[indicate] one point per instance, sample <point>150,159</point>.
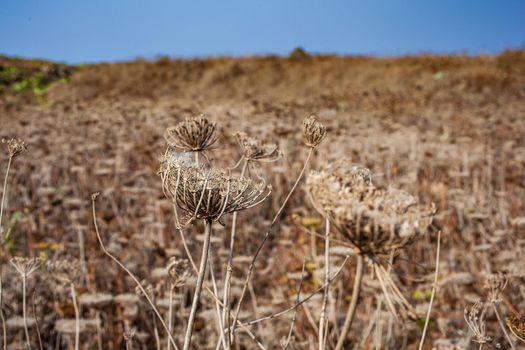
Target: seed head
<point>495,284</point>
<point>314,132</point>
<point>25,266</point>
<point>372,219</point>
<point>66,270</point>
<point>257,151</point>
<point>516,324</point>
<point>475,318</point>
<point>192,135</point>
<point>207,193</point>
<point>15,147</point>
<point>179,271</point>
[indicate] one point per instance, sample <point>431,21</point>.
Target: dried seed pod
<point>179,271</point>
<point>314,132</point>
<point>475,318</point>
<point>65,270</point>
<point>15,147</point>
<point>374,220</point>
<point>495,284</point>
<point>25,266</point>
<point>192,135</point>
<point>207,193</point>
<point>516,324</point>
<point>257,151</point>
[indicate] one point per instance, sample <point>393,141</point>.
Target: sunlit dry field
<point>449,131</point>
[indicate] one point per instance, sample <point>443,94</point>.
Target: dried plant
<point>68,271</point>
<point>208,193</point>
<point>516,324</point>
<point>254,150</point>
<point>15,147</point>
<point>475,318</point>
<point>495,284</point>
<point>25,268</point>
<point>192,135</point>
<point>375,221</point>
<point>314,132</point>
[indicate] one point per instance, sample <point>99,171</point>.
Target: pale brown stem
<point>353,303</point>
<point>326,289</point>
<point>434,287</point>
<point>3,198</point>
<point>301,302</point>
<point>299,287</point>
<point>227,279</point>
<point>77,316</point>
<point>4,330</point>
<point>24,311</point>
<point>198,287</point>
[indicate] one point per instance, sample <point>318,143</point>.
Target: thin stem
<point>24,311</point>
<point>217,301</point>
<point>170,315</point>
<point>3,197</point>
<point>130,274</point>
<point>266,236</point>
<point>4,330</point>
<point>495,307</point>
<point>77,316</point>
<point>299,303</point>
<point>326,289</point>
<point>198,287</point>
<point>434,287</point>
<point>299,287</point>
<point>227,279</point>
<point>353,303</point>
<point>36,323</point>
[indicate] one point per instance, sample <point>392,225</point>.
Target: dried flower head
<point>475,318</point>
<point>129,334</point>
<point>65,270</point>
<point>314,132</point>
<point>495,284</point>
<point>257,151</point>
<point>374,220</point>
<point>179,271</point>
<point>25,266</point>
<point>516,324</point>
<point>192,135</point>
<point>15,147</point>
<point>207,193</point>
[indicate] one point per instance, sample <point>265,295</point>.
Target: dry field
<point>448,130</point>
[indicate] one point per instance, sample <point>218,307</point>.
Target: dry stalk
<point>4,330</point>
<point>36,322</point>
<point>130,274</point>
<point>198,287</point>
<point>350,313</point>
<point>326,290</point>
<point>297,299</point>
<point>77,315</point>
<point>217,303</point>
<point>227,279</point>
<point>299,303</point>
<point>434,287</point>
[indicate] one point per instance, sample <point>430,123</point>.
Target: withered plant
<point>375,221</point>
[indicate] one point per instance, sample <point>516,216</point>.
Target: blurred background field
<point>448,129</point>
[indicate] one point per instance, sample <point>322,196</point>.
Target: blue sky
<point>107,30</point>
